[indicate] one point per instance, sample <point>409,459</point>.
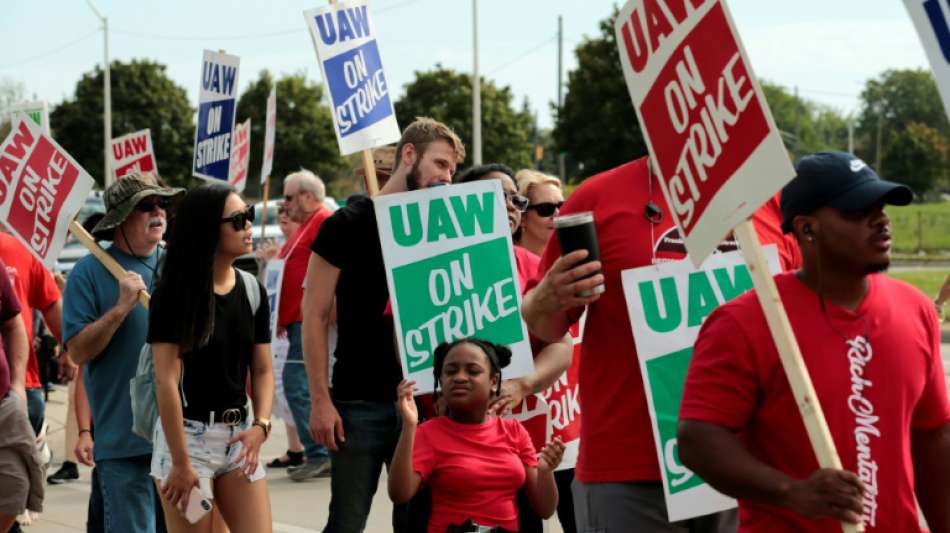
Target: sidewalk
<point>297,507</point>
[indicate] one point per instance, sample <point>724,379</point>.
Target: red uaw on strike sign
<point>41,189</point>
<point>133,152</point>
<point>715,147</point>
<point>240,155</point>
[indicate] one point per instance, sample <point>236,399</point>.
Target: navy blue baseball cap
<point>839,180</point>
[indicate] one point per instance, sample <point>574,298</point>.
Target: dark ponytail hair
<point>499,356</point>
<point>186,281</point>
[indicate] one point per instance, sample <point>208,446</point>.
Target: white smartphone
<point>199,503</point>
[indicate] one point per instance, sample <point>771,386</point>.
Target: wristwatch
<point>264,424</point>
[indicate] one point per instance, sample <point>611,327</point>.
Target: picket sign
<point>930,19</point>
<point>716,152</point>
<point>217,107</point>
<point>42,188</point>
<point>107,260</point>
<point>379,131</point>
<point>264,214</point>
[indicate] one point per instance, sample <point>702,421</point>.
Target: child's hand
<point>406,404</point>
<point>550,456</point>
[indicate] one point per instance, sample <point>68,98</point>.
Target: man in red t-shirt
<point>303,197</point>
<point>617,479</point>
<point>872,347</point>
<point>35,289</point>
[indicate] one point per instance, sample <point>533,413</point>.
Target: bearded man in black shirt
<point>359,423</point>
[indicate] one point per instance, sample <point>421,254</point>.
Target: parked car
<point>74,250</point>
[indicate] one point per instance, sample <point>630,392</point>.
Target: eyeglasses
<point>239,220</point>
<point>289,197</point>
<point>546,209</point>
<point>520,202</point>
<point>147,206</point>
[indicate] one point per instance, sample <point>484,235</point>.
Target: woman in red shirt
<point>473,462</point>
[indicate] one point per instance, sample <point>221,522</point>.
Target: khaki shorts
<point>21,470</point>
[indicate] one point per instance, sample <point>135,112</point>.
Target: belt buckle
<point>231,417</point>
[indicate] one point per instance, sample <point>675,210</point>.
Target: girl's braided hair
<point>499,357</point>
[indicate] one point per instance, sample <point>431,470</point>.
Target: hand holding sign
<point>716,151</point>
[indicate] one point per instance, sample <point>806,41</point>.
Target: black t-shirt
<point>367,367</point>
<point>215,375</point>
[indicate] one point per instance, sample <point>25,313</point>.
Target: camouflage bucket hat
<point>121,198</point>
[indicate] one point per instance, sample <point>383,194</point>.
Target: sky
<point>827,49</point>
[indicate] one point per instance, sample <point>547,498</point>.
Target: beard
<point>414,178</point>
<point>877,268</point>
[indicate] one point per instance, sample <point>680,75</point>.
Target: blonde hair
<point>425,130</point>
<point>527,179</point>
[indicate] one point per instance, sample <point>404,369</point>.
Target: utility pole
<point>476,93</point>
<point>850,134</point>
<point>106,96</point>
<point>561,170</point>
<point>880,130</point>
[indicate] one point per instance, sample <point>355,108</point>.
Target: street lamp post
<point>476,93</point>
<point>106,96</point>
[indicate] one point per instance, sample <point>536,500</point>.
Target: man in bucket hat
<point>872,348</point>
<point>104,328</point>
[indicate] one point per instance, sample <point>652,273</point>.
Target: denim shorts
<point>210,454</point>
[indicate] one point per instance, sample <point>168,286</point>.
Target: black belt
<point>232,416</point>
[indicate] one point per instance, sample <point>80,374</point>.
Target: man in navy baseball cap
<point>835,207</point>
<point>838,180</point>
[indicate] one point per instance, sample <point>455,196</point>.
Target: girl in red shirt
<point>474,462</point>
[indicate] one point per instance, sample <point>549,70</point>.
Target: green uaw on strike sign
<point>667,304</point>
<point>451,272</point>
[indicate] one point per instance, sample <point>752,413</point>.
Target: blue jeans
<point>95,522</point>
<point>371,430</point>
<point>297,392</point>
<point>129,499</point>
<point>36,408</point>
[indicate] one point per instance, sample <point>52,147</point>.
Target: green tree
<point>304,136</point>
<point>143,96</point>
<point>446,95</point>
<point>890,102</point>
<point>806,127</point>
<point>917,156</point>
<point>597,128</point>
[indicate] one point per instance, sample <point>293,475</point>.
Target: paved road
<point>298,507</point>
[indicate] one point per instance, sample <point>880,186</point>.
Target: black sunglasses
<point>520,202</point>
<point>147,206</point>
<point>546,209</point>
<point>239,220</point>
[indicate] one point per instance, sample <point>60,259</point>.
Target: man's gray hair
<point>308,182</point>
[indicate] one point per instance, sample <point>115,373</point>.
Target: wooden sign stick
<point>791,356</point>
<point>369,173</point>
<point>264,214</point>
<point>107,260</point>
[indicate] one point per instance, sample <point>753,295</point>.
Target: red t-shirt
<point>872,393</point>
<point>35,289</point>
<point>474,470</point>
<point>616,436</point>
<point>9,307</point>
<point>296,253</point>
<point>527,263</point>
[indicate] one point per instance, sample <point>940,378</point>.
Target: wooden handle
<point>791,356</point>
<point>369,174</point>
<point>107,260</point>
<point>264,214</point>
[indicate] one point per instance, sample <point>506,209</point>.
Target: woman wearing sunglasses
<point>550,359</point>
<point>206,338</point>
<point>545,198</point>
